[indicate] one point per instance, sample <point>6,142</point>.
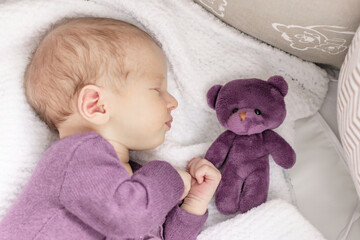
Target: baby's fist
<point>206,178</point>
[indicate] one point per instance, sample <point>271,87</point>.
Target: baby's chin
<point>148,145</point>
<point>159,141</point>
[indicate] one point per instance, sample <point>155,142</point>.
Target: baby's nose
<point>172,104</point>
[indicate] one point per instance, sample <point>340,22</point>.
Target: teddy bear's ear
<point>212,94</point>
<point>280,83</point>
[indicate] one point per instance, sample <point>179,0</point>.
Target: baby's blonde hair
<point>73,53</point>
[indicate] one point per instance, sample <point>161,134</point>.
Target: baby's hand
<point>205,180</point>
<point>185,176</point>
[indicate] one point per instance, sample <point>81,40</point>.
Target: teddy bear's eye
<point>257,112</point>
<point>235,110</point>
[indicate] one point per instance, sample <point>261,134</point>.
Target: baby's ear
<point>279,83</point>
<point>212,95</point>
<point>91,106</point>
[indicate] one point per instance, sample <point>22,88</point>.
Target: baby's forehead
<point>148,59</point>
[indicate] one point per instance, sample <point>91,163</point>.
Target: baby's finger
<point>192,162</point>
<point>189,164</point>
<point>202,172</point>
<point>193,180</point>
<point>193,159</point>
<point>196,163</point>
<point>206,172</point>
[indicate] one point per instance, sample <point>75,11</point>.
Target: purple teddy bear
<point>249,109</point>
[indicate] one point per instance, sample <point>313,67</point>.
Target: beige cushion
<point>348,108</point>
<point>318,31</point>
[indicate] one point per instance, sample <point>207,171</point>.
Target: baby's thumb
<point>193,180</point>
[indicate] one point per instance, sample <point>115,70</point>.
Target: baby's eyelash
<point>156,89</point>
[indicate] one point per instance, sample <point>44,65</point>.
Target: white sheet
<point>201,51</point>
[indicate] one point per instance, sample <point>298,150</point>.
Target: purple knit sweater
<point>80,190</point>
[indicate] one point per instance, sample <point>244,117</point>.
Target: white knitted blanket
<point>201,51</point>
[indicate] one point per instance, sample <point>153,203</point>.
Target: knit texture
<point>80,190</point>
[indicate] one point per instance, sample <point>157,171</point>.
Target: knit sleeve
<point>181,225</point>
<point>99,191</point>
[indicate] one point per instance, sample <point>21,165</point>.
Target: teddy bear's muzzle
<point>242,116</point>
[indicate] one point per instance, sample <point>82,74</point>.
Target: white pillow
<point>348,108</point>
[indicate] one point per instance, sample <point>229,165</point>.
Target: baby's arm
<point>185,222</point>
<point>180,224</point>
<point>99,191</point>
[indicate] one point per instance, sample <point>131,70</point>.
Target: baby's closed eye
<point>156,89</point>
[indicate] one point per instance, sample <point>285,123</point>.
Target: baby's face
<point>142,110</point>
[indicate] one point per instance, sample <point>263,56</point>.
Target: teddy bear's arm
<point>281,151</point>
<point>219,149</point>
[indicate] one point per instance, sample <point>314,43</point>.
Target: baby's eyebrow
<point>160,77</point>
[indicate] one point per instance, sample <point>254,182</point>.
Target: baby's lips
<point>171,119</point>
<point>169,122</point>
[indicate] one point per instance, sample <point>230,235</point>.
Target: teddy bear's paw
<point>246,204</point>
<point>227,204</point>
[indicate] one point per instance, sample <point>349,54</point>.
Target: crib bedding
<point>322,185</point>
<point>328,109</point>
<point>324,37</point>
<point>323,188</point>
<point>199,55</point>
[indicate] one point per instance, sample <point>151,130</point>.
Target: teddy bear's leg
<point>255,189</point>
<point>227,196</point>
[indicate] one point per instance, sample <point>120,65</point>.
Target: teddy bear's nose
<point>242,115</point>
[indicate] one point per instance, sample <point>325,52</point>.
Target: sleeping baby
<point>101,84</point>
